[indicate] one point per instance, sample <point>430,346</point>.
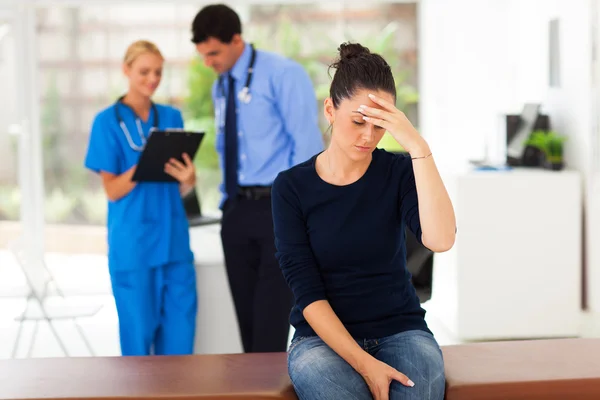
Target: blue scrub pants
<point>157,309</point>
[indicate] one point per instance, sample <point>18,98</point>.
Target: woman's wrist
<point>419,150</point>
<point>361,362</point>
<point>185,189</point>
<point>190,181</point>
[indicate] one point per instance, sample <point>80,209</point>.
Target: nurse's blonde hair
<point>139,48</point>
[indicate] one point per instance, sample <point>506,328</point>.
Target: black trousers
<point>261,297</point>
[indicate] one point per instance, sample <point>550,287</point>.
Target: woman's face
<point>144,74</point>
<point>353,135</point>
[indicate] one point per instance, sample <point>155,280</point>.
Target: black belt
<point>254,192</point>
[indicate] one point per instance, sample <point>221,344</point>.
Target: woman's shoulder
<point>298,175</point>
<point>106,114</point>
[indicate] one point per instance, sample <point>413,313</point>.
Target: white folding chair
<point>42,295</point>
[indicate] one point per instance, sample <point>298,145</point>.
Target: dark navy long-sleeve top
<point>346,245</point>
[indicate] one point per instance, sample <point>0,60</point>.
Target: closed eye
<point>358,122</point>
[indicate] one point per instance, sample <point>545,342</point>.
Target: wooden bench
<point>566,369</point>
<point>203,377</point>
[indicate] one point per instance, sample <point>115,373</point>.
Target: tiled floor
<point>85,283</point>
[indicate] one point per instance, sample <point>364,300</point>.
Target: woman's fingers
<point>379,122</point>
<point>380,391</point>
<point>171,170</point>
<point>187,160</point>
<point>176,164</point>
<point>403,379</point>
<point>372,111</point>
<point>383,103</point>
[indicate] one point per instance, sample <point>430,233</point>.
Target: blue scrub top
<point>147,227</point>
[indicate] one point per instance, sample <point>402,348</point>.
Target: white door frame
<point>30,165</point>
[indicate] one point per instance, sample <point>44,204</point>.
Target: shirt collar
<point>240,68</point>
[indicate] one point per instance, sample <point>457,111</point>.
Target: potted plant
<point>550,147</point>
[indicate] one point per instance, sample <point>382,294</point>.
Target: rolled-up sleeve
<point>293,250</point>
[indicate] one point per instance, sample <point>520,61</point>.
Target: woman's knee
<point>430,388</point>
<point>418,356</point>
<point>317,372</point>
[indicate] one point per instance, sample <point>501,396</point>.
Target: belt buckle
<point>248,194</point>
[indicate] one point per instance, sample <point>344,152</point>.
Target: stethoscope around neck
<point>244,95</point>
<point>138,124</point>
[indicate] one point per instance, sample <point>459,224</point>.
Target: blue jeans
<point>317,372</point>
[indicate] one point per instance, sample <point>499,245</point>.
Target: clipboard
<point>161,146</point>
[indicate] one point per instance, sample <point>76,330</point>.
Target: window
<point>80,55</point>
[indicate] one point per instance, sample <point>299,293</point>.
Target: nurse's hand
<point>184,172</point>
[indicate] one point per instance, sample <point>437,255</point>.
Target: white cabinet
<point>515,270</point>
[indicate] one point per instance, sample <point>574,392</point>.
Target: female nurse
<point>149,256</point>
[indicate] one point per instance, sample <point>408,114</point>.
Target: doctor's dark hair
<point>218,21</point>
<point>356,69</point>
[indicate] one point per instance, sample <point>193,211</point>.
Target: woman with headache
<point>340,221</point>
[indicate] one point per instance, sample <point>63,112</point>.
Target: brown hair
<point>357,68</point>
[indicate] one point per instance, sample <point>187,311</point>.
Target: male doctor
<point>267,121</point>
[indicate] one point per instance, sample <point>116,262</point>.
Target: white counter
<point>216,325</point>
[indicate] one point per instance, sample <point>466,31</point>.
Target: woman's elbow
<point>440,244</point>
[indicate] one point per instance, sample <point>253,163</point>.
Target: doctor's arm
<point>297,103</point>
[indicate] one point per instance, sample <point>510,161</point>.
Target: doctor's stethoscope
<point>244,95</point>
<point>138,124</point>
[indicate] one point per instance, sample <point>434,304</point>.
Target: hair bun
<point>351,50</point>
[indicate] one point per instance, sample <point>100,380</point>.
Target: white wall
<point>572,112</point>
<point>482,59</point>
<point>464,79</point>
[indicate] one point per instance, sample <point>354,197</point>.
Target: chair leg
<point>32,341</point>
<point>17,340</point>
<point>54,331</point>
<point>21,323</point>
<point>84,337</point>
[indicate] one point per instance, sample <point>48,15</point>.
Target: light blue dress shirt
<point>278,128</point>
<point>147,227</point>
